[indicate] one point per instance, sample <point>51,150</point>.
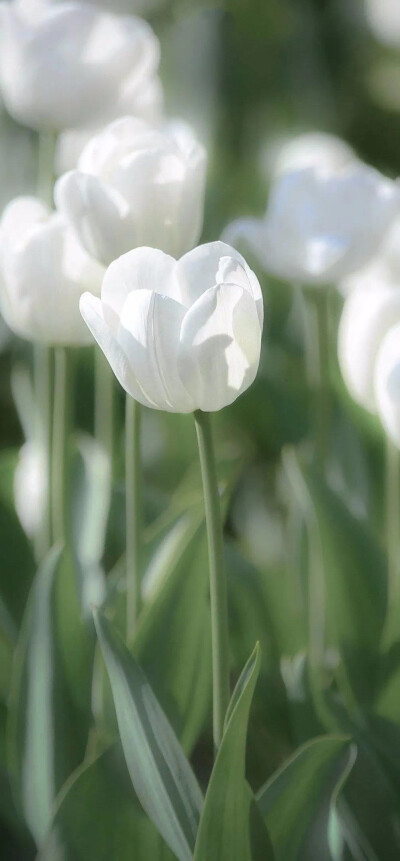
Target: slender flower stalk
<point>134,513</point>
<point>218,585</point>
<point>392,483</point>
<point>104,405</point>
<point>318,368</point>
<point>62,421</point>
<point>42,355</point>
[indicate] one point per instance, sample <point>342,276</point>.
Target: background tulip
<point>387,383</point>
<point>136,186</point>
<point>30,487</point>
<point>320,226</point>
<point>68,65</point>
<point>43,272</point>
<point>312,149</point>
<point>180,335</point>
<point>368,313</point>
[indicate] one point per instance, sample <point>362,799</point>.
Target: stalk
<point>62,422</point>
<point>42,370</point>
<point>134,513</point>
<point>218,584</point>
<point>318,368</point>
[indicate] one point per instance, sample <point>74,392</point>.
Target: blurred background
<point>250,76</point>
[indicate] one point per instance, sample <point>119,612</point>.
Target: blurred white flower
<point>384,19</point>
<point>320,226</point>
<point>43,272</point>
<point>387,383</point>
<point>311,149</point>
<point>383,268</point>
<point>368,313</point>
<point>68,65</point>
<point>136,186</point>
<point>30,487</point>
<point>180,335</point>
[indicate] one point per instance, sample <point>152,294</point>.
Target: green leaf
<point>99,818</point>
<point>229,818</point>
<point>352,588</point>
<point>46,742</point>
<point>160,773</point>
<point>292,800</point>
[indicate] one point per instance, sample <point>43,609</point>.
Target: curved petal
<point>97,213</point>
<point>92,313</point>
<point>220,346</point>
<point>387,383</point>
<point>367,316</point>
<point>140,269</point>
<point>149,334</point>
<point>202,268</point>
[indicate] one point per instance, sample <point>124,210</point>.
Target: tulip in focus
<point>43,272</point>
<point>136,186</point>
<point>320,226</point>
<point>69,65</point>
<point>368,314</point>
<point>180,335</point>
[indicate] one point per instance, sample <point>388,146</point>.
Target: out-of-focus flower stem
<point>134,513</point>
<point>42,367</point>
<point>62,422</point>
<point>43,355</point>
<point>218,584</point>
<point>318,368</point>
<point>392,493</point>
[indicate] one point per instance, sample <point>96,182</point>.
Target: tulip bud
<point>136,186</point>
<point>319,226</point>
<point>43,272</point>
<point>67,65</point>
<point>368,314</point>
<point>387,383</point>
<point>180,335</point>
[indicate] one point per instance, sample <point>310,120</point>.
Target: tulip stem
<point>47,143</point>
<point>218,584</point>
<point>42,369</point>
<point>318,366</point>
<point>134,513</point>
<point>62,421</point>
<point>393,523</point>
<point>104,404</point>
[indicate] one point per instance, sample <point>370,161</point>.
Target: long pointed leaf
<point>160,773</point>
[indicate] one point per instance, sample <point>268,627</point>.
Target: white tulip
<point>180,335</point>
<point>384,19</point>
<point>68,65</point>
<point>387,383</point>
<point>368,313</point>
<point>30,487</point>
<point>43,273</point>
<point>320,226</point>
<point>383,268</point>
<point>136,186</point>
<point>311,149</point>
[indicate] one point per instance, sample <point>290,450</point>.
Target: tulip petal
<point>202,268</point>
<point>220,346</point>
<point>92,313</point>
<point>140,269</point>
<point>97,213</point>
<point>149,334</point>
<point>387,383</point>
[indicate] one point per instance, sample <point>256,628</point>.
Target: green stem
<point>62,421</point>
<point>47,142</point>
<point>392,487</point>
<point>318,366</point>
<point>134,513</point>
<point>218,584</point>
<point>104,404</point>
<point>42,370</point>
